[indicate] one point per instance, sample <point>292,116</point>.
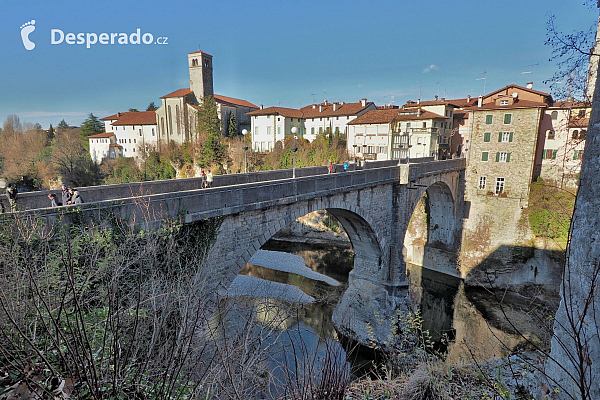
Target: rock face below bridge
<point>367,312</point>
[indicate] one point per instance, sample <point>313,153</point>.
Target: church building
<point>177,116</point>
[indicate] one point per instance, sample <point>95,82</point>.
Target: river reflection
<point>481,324</point>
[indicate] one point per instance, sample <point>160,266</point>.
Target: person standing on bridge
<point>53,201</point>
<point>11,194</point>
<point>65,195</point>
<point>202,179</point>
<point>209,179</point>
<point>77,199</point>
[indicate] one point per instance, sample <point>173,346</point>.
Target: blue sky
<point>274,52</point>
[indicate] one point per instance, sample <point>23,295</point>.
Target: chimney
<point>320,108</point>
<point>529,85</point>
<point>363,102</point>
<point>418,101</point>
<point>468,98</point>
<point>335,106</point>
<point>118,114</point>
<point>325,102</point>
<point>479,101</point>
<point>436,96</point>
<point>262,107</point>
<point>314,106</point>
<point>420,112</point>
<point>443,99</point>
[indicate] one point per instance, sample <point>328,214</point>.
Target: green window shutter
<point>507,157</point>
<point>497,156</point>
<point>507,118</point>
<point>488,119</point>
<point>575,155</point>
<point>543,154</point>
<point>487,136</point>
<point>554,155</point>
<point>499,137</point>
<point>484,156</point>
<point>511,137</point>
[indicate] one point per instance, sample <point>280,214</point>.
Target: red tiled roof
<point>571,104</point>
<point>114,116</point>
<point>512,85</point>
<point>376,117</point>
<point>200,51</point>
<point>236,102</point>
<point>342,109</point>
<point>115,145</point>
<point>579,123</point>
<point>102,135</point>
<point>425,115</point>
<point>454,102</point>
<point>178,93</point>
<point>517,104</point>
<point>137,118</point>
<point>285,112</point>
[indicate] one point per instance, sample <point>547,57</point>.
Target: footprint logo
<point>26,29</point>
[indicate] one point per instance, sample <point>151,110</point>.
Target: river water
<point>479,324</point>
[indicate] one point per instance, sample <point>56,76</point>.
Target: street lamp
<point>245,148</point>
<point>294,150</point>
<point>409,134</point>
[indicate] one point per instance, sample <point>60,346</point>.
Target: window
<point>484,155</point>
<point>133,140</point>
<point>503,102</point>
<point>575,154</point>
<point>424,124</point>
<point>152,131</point>
<point>407,126</point>
<point>550,134</point>
<point>505,137</point>
<point>499,185</point>
<point>312,130</point>
<point>320,130</point>
<point>482,182</point>
<point>554,115</point>
<point>487,136</point>
<point>581,114</point>
<point>507,119</point>
<point>278,130</point>
<point>583,134</point>
<point>489,119</point>
<point>549,154</point>
<point>502,157</point>
<point>575,134</point>
<point>434,124</point>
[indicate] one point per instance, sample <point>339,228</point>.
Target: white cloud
<point>430,68</point>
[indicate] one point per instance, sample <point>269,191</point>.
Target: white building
<point>395,134</point>
<point>273,124</point>
<point>126,133</point>
<point>561,142</point>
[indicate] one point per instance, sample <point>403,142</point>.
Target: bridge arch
<point>250,230</point>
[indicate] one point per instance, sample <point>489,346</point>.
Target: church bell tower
<point>201,74</point>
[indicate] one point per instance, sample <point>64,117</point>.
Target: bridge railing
<point>435,167</point>
<point>222,200</point>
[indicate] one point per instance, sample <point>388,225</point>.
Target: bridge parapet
<point>412,172</point>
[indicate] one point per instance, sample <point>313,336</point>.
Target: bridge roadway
<point>235,192</point>
<point>374,206</point>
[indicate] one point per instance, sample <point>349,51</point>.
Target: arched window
<point>554,115</point>
<point>575,134</point>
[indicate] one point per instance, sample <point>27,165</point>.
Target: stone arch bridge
<point>374,205</point>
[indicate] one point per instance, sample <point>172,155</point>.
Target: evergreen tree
<point>232,130</point>
<point>91,126</point>
<point>62,126</point>
<point>133,110</point>
<point>151,107</point>
<point>212,150</point>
